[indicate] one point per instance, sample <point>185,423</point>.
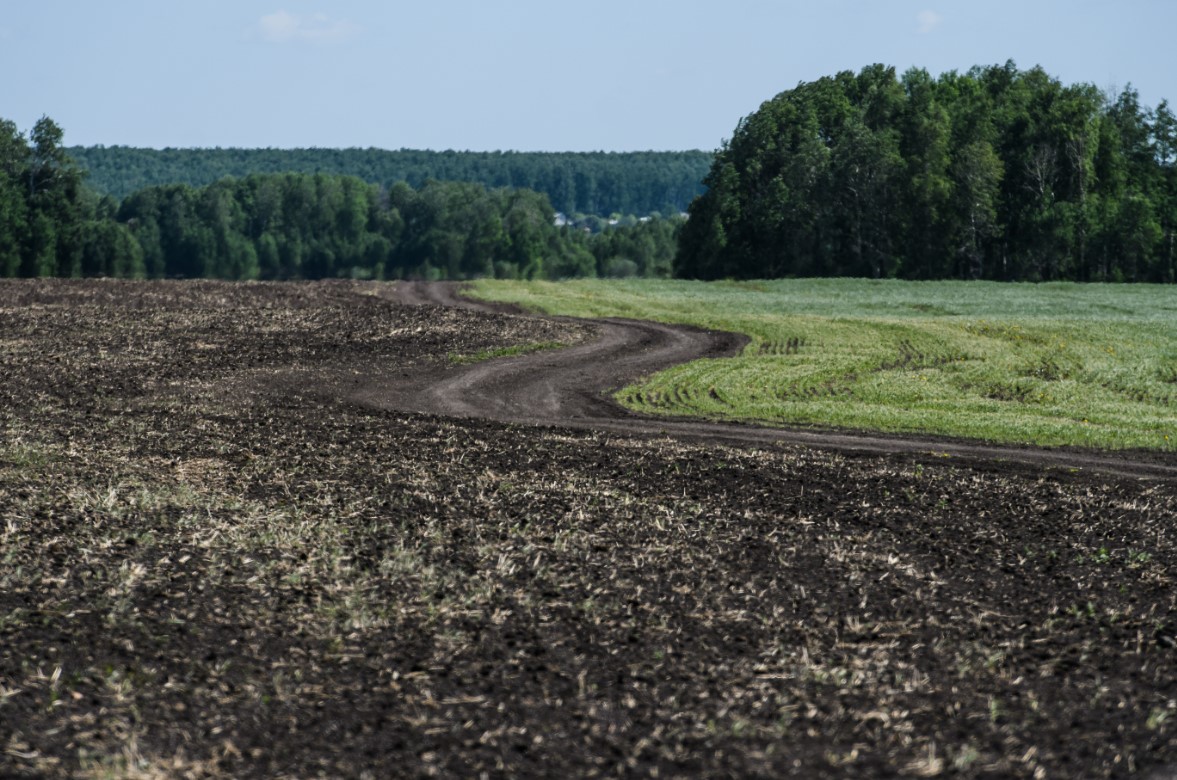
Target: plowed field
<point>226,551</point>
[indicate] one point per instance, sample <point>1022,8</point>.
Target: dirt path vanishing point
<point>569,387</point>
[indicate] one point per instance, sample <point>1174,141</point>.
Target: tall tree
<point>1164,131</point>
<point>14,159</point>
<point>977,172</point>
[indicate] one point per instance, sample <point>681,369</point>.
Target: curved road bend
<point>568,387</point>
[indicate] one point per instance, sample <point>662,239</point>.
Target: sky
<point>485,75</point>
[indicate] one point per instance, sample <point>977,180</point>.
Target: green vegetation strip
<point>1044,364</point>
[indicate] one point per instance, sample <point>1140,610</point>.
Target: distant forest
<point>297,226</point>
<point>315,226</point>
<point>995,173</point>
<point>594,183</point>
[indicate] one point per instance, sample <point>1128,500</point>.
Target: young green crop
<point>1048,364</point>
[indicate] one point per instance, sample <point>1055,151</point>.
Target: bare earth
<point>272,530</point>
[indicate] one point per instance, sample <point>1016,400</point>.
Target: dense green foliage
<point>299,226</point>
<point>50,224</point>
<point>994,174</point>
<point>1049,364</point>
<point>302,226</point>
<point>599,183</point>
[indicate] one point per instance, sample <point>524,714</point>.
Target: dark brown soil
<point>220,557</point>
<point>552,387</point>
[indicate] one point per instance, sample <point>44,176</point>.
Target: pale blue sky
<point>524,75</point>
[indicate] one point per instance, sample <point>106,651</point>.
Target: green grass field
<point>1092,365</point>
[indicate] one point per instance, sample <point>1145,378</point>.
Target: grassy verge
<point>1047,364</point>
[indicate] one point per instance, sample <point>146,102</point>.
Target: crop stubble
<point>214,566</point>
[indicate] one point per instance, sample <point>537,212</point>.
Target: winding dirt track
<point>569,387</point>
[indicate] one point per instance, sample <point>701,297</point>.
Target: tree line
<point>315,226</point>
<point>297,226</point>
<point>600,183</point>
<point>996,173</point>
<point>51,224</point>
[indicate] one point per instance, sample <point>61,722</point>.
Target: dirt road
<point>561,385</point>
<point>570,387</point>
